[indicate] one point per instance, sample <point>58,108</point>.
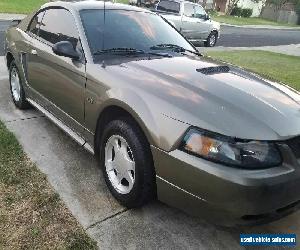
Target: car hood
<point>196,91</point>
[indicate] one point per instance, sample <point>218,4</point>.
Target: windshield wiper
<point>126,51</point>
<point>129,51</point>
<point>174,47</point>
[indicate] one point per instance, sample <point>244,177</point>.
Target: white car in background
<point>191,20</point>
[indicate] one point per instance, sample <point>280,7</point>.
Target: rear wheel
<point>126,161</point>
<point>16,87</point>
<point>212,39</point>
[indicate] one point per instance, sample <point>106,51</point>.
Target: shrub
<point>246,12</point>
<point>237,11</point>
<point>212,12</point>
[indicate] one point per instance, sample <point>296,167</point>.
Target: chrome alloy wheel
<point>119,164</point>
<point>15,84</point>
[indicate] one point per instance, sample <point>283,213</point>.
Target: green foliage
<point>237,11</point>
<point>247,12</point>
<point>212,12</point>
<point>278,67</point>
<point>249,21</point>
<point>298,8</point>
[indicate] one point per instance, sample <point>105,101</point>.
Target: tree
<point>233,3</point>
<point>278,4</point>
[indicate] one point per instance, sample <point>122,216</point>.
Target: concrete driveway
<point>74,174</point>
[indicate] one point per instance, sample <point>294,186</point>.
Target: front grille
<point>294,144</point>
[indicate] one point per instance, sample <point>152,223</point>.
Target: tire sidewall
<point>22,101</point>
<point>209,37</point>
<point>123,129</point>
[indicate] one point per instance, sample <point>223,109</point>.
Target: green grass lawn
<point>27,6</point>
<point>249,21</point>
<point>274,66</point>
<point>123,1</point>
<point>32,216</point>
<point>20,6</point>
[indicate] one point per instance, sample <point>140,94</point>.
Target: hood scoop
<point>214,70</point>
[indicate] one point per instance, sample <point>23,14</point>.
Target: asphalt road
<point>242,37</point>
<point>230,37</point>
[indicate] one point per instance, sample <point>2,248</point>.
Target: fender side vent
<point>214,70</point>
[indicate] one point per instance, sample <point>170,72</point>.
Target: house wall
<point>248,4</point>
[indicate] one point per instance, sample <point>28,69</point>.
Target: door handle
<point>34,52</point>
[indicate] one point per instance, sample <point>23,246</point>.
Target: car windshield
<point>129,31</point>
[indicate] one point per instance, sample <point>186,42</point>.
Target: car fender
<point>155,125</point>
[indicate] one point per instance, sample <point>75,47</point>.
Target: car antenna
<point>103,44</point>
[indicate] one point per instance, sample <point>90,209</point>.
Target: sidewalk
<point>292,49</point>
<point>10,17</point>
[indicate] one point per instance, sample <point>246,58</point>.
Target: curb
<point>291,50</point>
<point>270,27</point>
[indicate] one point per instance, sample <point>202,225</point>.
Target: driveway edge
<point>270,27</point>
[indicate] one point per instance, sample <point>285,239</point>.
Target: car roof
<point>91,4</point>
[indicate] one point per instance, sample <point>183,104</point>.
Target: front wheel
<point>126,161</point>
<point>211,40</point>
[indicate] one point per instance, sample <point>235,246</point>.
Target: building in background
<point>222,5</point>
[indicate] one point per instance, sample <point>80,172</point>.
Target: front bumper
<point>227,195</point>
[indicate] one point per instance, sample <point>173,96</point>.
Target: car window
<point>59,25</point>
<point>35,23</point>
<point>192,10</point>
<point>169,6</point>
<point>189,10</point>
<point>128,29</point>
<point>199,12</point>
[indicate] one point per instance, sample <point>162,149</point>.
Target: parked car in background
<point>191,20</point>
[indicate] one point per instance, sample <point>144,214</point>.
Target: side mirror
<point>66,49</point>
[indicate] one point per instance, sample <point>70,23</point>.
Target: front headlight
<point>230,151</point>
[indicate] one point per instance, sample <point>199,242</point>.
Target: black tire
<point>211,40</point>
<point>144,188</point>
<point>21,103</point>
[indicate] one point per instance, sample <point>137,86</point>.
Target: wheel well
<point>108,114</point>
<point>9,59</point>
<point>215,31</point>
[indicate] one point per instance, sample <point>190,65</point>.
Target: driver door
<point>194,27</point>
<point>57,83</point>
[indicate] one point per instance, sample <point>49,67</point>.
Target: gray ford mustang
<point>163,120</point>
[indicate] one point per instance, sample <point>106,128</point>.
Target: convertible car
<point>164,121</point>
